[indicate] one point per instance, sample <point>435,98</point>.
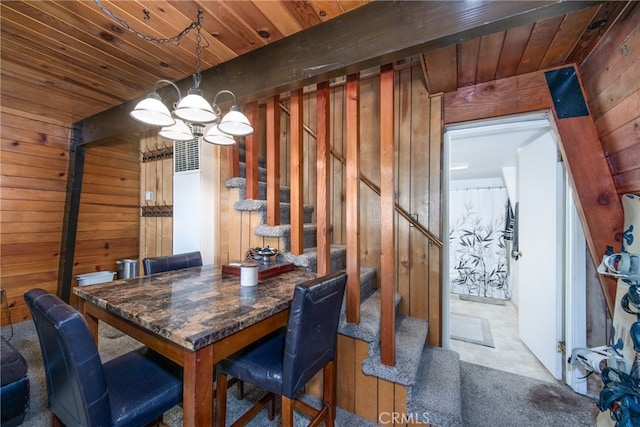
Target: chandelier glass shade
<point>179,131</point>
<point>152,111</point>
<point>215,136</point>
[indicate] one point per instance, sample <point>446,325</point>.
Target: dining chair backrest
<point>76,384</point>
<point>171,262</point>
<point>312,330</point>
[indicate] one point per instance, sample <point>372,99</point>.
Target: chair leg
<point>240,389</point>
<point>287,412</point>
<point>272,409</point>
<point>329,391</point>
<point>221,399</point>
<point>55,421</point>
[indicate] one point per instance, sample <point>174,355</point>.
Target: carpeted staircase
<point>431,375</point>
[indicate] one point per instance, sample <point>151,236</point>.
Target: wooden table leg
<point>197,399</point>
<point>92,321</point>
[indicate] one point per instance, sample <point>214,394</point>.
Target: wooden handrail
<point>406,215</point>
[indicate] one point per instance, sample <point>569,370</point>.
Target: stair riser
<point>338,262</point>
<point>262,192</point>
<point>285,217</point>
<point>310,238</point>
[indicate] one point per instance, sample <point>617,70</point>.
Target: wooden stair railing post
<point>252,152</point>
<point>323,158</point>
<point>352,112</point>
<point>233,160</point>
<point>297,174</point>
<point>387,215</point>
<point>273,161</point>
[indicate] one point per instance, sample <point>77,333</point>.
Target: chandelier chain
<point>198,45</point>
<point>174,40</point>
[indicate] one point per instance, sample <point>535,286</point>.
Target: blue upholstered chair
<point>131,390</point>
<point>171,262</point>
<point>14,390</point>
<point>283,362</point>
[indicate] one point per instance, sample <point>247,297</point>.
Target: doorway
<point>483,158</point>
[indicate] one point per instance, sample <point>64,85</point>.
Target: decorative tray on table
<point>265,271</point>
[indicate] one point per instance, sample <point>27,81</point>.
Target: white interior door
<point>540,275</point>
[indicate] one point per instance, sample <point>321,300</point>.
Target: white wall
<point>194,216</point>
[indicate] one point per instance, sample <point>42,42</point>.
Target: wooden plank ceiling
<point>68,60</point>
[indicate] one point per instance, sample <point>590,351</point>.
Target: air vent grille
<point>186,156</point>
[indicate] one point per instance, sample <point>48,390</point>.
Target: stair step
<point>284,232</point>
<point>309,259</point>
<point>241,183</point>
<point>260,206</point>
<point>411,334</point>
<point>435,398</point>
<point>368,329</point>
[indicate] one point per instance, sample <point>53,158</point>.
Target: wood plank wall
<point>156,177</point>
<point>34,164</point>
<point>108,219</point>
<point>610,78</point>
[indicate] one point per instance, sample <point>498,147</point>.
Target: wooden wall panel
<point>366,387</point>
<point>403,191</point>
<point>435,224</point>
<point>370,168</point>
<point>418,171</point>
<point>109,214</point>
<point>309,152</point>
<point>369,397</point>
<point>156,233</point>
<point>418,112</point>
<point>34,161</point>
<point>346,365</point>
<point>610,77</point>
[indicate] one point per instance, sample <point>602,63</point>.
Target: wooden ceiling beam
<point>372,35</point>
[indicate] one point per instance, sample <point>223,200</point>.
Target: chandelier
<point>192,116</point>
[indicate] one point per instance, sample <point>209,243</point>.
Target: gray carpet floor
<point>502,399</point>
<point>489,397</point>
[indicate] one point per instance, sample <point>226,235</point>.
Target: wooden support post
<point>273,160</point>
<point>387,215</point>
<point>233,161</point>
<point>296,172</point>
<point>353,196</point>
<point>323,158</point>
<point>71,212</point>
<point>251,152</point>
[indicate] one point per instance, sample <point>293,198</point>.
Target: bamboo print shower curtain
<point>478,256</point>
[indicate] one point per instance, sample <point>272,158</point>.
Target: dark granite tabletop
<point>194,307</point>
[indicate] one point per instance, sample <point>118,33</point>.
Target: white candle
<point>248,274</point>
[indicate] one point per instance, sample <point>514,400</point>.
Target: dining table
<point>195,317</point>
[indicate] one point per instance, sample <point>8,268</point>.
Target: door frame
<point>574,292</point>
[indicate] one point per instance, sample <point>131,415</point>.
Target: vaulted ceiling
<point>69,60</point>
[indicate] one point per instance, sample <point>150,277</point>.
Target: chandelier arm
<point>235,100</point>
<point>155,87</point>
